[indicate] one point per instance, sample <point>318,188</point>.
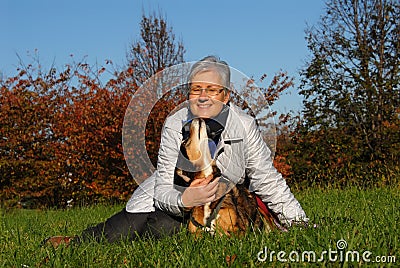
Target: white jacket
<point>241,152</point>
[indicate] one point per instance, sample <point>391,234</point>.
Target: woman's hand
<point>200,192</point>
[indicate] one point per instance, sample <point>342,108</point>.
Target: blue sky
<point>255,37</point>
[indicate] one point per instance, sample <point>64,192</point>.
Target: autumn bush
<point>61,136</point>
<point>334,158</point>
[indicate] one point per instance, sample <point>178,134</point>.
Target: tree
<point>156,50</point>
<point>352,80</point>
<point>351,83</point>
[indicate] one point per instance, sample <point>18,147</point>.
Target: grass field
<point>364,224</point>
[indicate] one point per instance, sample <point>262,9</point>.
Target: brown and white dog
<point>234,212</point>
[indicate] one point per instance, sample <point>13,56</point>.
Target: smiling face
<point>204,84</point>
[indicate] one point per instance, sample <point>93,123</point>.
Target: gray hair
<point>215,64</point>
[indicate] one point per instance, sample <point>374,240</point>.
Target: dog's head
<point>196,146</point>
<point>196,150</point>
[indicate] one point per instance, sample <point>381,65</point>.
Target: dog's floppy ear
<point>181,174</point>
<point>183,149</point>
<point>181,177</point>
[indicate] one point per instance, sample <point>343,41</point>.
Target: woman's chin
<point>206,112</point>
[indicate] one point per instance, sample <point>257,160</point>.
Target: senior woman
<point>157,207</point>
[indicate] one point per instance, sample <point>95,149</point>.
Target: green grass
<point>367,219</point>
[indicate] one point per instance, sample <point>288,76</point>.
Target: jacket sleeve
<point>166,196</point>
<point>266,181</point>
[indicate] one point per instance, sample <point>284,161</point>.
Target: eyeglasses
<point>209,91</point>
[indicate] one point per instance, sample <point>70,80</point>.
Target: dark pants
<point>125,225</point>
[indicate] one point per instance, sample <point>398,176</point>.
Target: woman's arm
<point>166,197</point>
<point>266,181</point>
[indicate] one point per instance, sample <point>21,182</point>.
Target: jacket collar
<point>234,128</point>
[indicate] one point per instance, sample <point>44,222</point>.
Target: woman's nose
<point>203,94</point>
